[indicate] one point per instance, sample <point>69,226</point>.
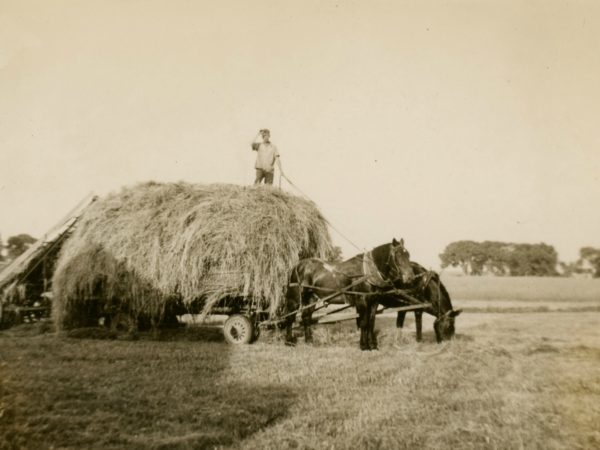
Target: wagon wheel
<point>238,329</point>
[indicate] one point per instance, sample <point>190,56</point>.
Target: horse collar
<point>371,271</point>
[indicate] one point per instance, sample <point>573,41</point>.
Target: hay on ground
<point>147,246</point>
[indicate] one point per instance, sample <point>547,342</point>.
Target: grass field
<point>524,294</point>
<point>511,380</point>
<point>527,289</point>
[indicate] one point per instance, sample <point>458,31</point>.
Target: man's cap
<point>265,130</point>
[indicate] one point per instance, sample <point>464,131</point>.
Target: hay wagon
<point>215,249</point>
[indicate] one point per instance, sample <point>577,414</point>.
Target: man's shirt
<point>265,157</point>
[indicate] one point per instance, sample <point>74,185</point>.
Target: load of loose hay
<point>141,248</point>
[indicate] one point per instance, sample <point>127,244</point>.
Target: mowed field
<point>512,378</point>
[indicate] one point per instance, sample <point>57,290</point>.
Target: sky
<point>432,121</point>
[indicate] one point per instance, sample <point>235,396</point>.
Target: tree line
<point>474,258</point>
<point>512,259</point>
<point>15,246</point>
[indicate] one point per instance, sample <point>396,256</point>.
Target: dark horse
<point>362,280</point>
<point>428,288</point>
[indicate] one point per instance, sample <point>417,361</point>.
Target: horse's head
<point>399,262</point>
<point>444,325</point>
<point>432,290</point>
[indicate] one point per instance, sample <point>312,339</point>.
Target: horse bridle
<point>391,262</point>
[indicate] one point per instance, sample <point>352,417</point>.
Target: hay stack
<point>148,245</point>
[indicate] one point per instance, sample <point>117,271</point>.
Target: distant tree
<point>1,249</point>
<point>455,255</point>
<point>543,259</point>
<point>464,254</point>
<point>500,258</point>
<point>591,257</point>
<point>533,260</point>
<point>497,257</point>
<point>16,245</point>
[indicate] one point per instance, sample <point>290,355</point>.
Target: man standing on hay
<point>266,157</point>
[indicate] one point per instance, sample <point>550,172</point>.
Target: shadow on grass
<point>184,333</point>
<point>89,393</point>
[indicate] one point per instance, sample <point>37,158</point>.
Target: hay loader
<point>26,282</point>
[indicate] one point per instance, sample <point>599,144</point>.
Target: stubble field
<point>527,378</point>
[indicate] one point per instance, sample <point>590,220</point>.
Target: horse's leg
<point>400,316</point>
<point>289,334</point>
<point>400,319</point>
<point>307,322</point>
<point>419,324</point>
<point>292,304</point>
<point>438,334</point>
<point>361,309</point>
<point>371,326</point>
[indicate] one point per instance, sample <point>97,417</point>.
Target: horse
<point>428,288</point>
<point>359,281</point>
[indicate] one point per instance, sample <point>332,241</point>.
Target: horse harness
<point>371,273</point>
<point>427,278</point>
